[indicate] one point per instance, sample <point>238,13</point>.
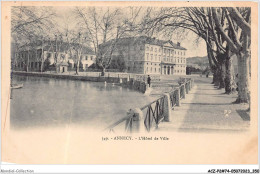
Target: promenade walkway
<point>207,108</point>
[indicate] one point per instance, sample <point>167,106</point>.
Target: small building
<point>62,67</point>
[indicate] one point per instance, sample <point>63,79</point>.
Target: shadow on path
<point>206,109</point>
<point>244,115</point>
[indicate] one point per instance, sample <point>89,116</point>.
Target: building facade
<point>145,55</point>
<point>64,57</point>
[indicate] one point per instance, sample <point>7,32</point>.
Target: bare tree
<point>77,46</point>
<point>105,27</point>
<point>31,25</point>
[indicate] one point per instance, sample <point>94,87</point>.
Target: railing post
<point>167,107</point>
<point>178,97</point>
<point>187,87</point>
<point>138,120</point>
<point>184,91</point>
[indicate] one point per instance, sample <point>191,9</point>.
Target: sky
<point>193,47</point>
<point>187,41</point>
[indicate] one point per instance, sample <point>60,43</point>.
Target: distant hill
<point>197,60</point>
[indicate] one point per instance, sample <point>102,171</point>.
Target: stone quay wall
<point>131,83</point>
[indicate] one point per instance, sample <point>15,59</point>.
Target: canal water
<point>47,102</point>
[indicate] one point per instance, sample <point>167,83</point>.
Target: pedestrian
<point>149,80</point>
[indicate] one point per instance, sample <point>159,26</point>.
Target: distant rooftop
<point>51,45</point>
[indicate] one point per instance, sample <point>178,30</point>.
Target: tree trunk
<point>243,77</point>
<point>28,59</point>
<point>217,77</point>
<point>56,61</point>
<point>77,68</point>
<point>103,71</point>
<point>211,63</point>
<point>222,75</point>
<point>42,60</point>
<point>229,77</point>
<point>42,65</point>
<point>214,78</point>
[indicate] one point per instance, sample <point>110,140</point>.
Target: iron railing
<point>128,124</point>
<point>153,113</point>
<point>174,98</point>
<point>182,92</point>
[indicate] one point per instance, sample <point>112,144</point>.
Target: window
<point>151,57</point>
<point>155,49</point>
<point>151,48</point>
<point>151,69</point>
<point>178,61</point>
<point>147,56</point>
<point>159,49</point>
<point>159,69</point>
<point>155,57</point>
<point>86,57</point>
<point>154,69</point>
<point>147,48</point>
<point>91,57</point>
<point>147,69</point>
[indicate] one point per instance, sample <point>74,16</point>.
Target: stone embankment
<point>135,83</point>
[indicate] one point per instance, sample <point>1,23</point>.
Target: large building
<point>145,55</point>
<point>63,55</point>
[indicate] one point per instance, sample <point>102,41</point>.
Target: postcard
<point>129,82</point>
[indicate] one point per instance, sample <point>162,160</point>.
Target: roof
<point>51,45</point>
<point>145,40</point>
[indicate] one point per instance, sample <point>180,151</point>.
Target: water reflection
<point>57,102</point>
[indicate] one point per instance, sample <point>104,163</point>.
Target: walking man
<point>149,80</point>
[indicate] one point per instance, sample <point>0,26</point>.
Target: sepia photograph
<point>129,83</point>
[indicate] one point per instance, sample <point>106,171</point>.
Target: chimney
<point>178,44</point>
